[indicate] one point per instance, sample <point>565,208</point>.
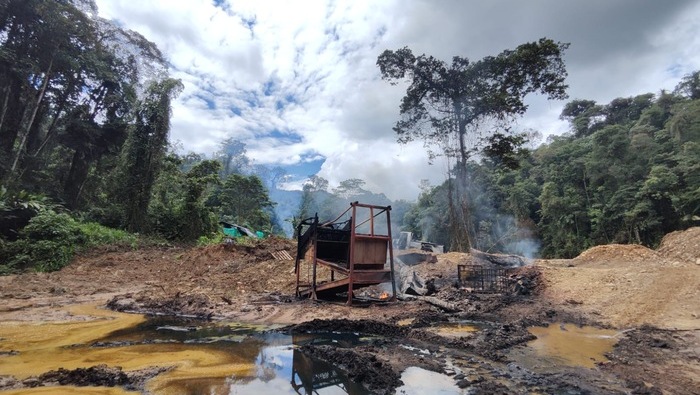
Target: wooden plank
<point>334,266</point>
<point>371,237</point>
<point>370,250</point>
<point>369,266</point>
<point>281,255</point>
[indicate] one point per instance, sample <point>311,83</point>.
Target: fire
<point>384,296</point>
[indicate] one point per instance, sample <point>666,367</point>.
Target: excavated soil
<point>650,296</point>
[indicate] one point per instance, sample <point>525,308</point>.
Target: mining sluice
<point>344,255</point>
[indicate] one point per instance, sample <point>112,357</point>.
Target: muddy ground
<point>650,296</point>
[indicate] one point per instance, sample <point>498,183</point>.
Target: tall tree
<point>233,157</point>
<point>452,104</point>
<point>145,149</point>
<point>244,200</point>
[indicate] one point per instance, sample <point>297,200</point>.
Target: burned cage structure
<point>341,256</point>
<point>480,278</point>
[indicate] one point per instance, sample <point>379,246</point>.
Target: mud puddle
<point>204,357</point>
<point>565,344</point>
<point>420,381</point>
<point>456,329</point>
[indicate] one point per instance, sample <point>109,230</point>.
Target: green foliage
<point>629,172</point>
<point>177,210</point>
<point>446,105</point>
<point>96,234</point>
<point>690,86</point>
<point>86,117</point>
<point>58,227</point>
<point>243,200</point>
<point>505,150</point>
<point>428,218</point>
<point>50,240</point>
<point>211,239</point>
<point>144,152</point>
<point>47,243</point>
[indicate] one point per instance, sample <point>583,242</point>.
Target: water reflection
<point>312,376</point>
<point>286,370</point>
<point>207,358</point>
<point>277,364</point>
<point>280,368</point>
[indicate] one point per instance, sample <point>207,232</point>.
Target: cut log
<point>447,306</point>
<point>503,260</point>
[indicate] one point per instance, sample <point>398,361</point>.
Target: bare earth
<point>650,294</point>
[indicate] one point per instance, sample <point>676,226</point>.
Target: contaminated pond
<point>564,344</point>
<point>556,345</point>
<point>211,358</point>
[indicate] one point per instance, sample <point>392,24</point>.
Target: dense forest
<point>84,125</point>
<point>627,172</point>
<point>85,158</point>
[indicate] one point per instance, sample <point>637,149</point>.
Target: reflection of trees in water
<point>267,365</point>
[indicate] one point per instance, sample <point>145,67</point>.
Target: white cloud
<point>296,80</point>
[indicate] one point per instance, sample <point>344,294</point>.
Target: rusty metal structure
<point>343,256</point>
<point>480,278</point>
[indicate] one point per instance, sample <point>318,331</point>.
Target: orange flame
<point>384,295</point>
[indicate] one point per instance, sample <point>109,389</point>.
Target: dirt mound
<point>627,285</point>
<point>616,254</point>
<point>682,246</point>
<point>170,275</point>
<point>443,270</point>
<point>196,305</point>
<point>368,327</point>
<point>94,376</point>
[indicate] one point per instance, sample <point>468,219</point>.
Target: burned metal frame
<point>358,258</point>
<point>484,279</point>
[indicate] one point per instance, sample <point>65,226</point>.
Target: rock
<point>31,382</point>
<point>8,382</point>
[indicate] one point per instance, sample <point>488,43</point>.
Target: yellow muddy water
<point>455,329</point>
<point>69,390</point>
<point>43,347</point>
<point>572,345</point>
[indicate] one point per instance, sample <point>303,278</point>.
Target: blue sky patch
<point>288,137</point>
<point>305,168</point>
<point>210,103</point>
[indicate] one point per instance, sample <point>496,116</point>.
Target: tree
<point>451,104</point>
<point>689,86</point>
<point>43,41</point>
<point>177,210</point>
<point>244,200</point>
<point>350,188</point>
<point>144,151</point>
<point>68,84</point>
<point>233,156</point>
<point>581,114</point>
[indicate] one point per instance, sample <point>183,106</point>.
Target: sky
<point>297,81</point>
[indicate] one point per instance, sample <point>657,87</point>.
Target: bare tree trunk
<point>77,175</point>
<point>33,116</point>
<point>12,118</point>
<point>52,127</point>
<point>4,105</point>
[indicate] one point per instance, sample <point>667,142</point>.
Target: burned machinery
<point>343,256</point>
